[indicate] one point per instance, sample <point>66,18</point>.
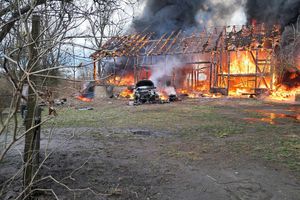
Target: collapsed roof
<point>179,42</point>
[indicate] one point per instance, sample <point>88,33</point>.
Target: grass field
<point>205,148</point>
<point>242,126</point>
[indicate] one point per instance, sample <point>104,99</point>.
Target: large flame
<point>125,80</point>
<point>288,85</point>
<point>284,93</point>
<point>242,73</point>
<point>242,63</point>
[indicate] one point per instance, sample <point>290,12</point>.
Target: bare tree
<point>25,45</point>
<point>108,19</point>
<point>37,37</point>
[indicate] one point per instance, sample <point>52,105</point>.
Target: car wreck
<point>145,92</point>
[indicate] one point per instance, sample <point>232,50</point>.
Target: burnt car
<point>145,92</point>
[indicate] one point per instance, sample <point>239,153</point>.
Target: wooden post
<point>256,70</point>
<point>95,71</point>
<point>219,69</point>
<point>33,116</point>
<point>272,70</point>
<point>211,72</point>
<point>135,68</point>
<point>228,77</point>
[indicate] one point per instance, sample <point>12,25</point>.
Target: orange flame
<point>122,80</point>
<point>242,80</point>
<point>127,94</point>
<point>284,94</point>
<point>242,64</point>
<point>163,95</point>
<point>84,99</point>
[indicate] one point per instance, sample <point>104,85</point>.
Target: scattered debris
<point>87,93</point>
<point>59,102</point>
<point>173,98</point>
<point>131,103</point>
<point>85,108</point>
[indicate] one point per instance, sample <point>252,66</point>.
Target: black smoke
<point>283,12</point>
<point>162,16</point>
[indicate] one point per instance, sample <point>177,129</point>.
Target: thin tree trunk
<point>33,112</point>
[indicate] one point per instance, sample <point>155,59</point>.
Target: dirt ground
<point>235,149</point>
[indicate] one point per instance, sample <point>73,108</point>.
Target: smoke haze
<point>162,70</point>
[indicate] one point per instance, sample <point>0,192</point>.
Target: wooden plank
<point>173,42</point>
<point>165,43</point>
<point>139,46</point>
<point>245,75</point>
<point>156,44</point>
<point>259,71</point>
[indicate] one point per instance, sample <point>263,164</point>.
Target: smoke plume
<point>162,70</point>
<point>162,16</point>
<point>283,12</point>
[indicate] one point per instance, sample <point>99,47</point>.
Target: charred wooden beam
<point>173,42</point>
<point>246,75</point>
<point>165,43</point>
<point>156,44</point>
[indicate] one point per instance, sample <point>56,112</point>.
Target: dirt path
<point>140,164</point>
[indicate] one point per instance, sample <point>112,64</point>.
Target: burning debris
<point>198,61</point>
<point>87,92</point>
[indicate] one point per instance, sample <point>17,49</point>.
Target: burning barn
<point>227,60</point>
